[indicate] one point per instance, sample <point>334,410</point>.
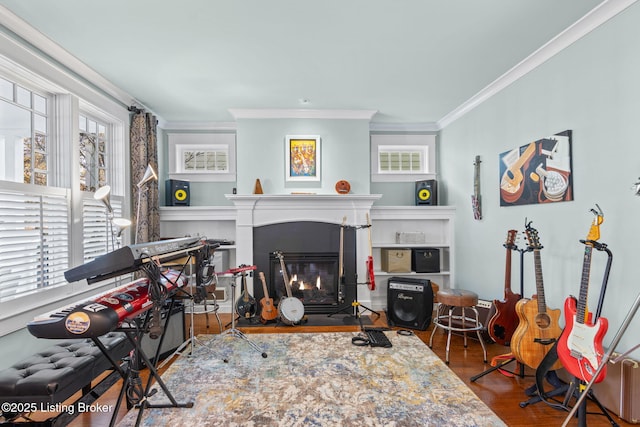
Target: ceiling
<point>412,61</point>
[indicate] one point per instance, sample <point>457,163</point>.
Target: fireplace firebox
<point>311,254</point>
<point>313,277</point>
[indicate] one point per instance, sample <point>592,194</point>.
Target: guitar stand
<point>577,387</point>
<point>236,333</point>
<point>501,365</point>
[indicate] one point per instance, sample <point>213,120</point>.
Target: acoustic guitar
<point>503,323</point>
<point>268,311</point>
<point>580,345</point>
<point>246,306</point>
<point>538,328</point>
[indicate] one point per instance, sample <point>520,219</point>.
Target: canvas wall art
<point>538,172</point>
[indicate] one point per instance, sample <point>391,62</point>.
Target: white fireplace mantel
<point>258,210</point>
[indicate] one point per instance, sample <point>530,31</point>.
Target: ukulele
<point>538,328</point>
<point>290,308</point>
<point>268,311</point>
<point>504,322</point>
<point>580,345</point>
<point>371,280</point>
<point>246,306</point>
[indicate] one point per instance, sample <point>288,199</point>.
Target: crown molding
<point>403,127</point>
<point>589,22</point>
<point>240,113</point>
<point>211,126</point>
<point>34,42</point>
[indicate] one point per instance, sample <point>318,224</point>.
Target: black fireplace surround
<point>310,251</point>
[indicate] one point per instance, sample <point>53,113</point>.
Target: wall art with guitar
<point>538,328</point>
<point>504,322</point>
<point>580,345</point>
<point>539,172</point>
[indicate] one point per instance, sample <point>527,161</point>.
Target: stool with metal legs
<point>448,301</point>
<point>242,271</point>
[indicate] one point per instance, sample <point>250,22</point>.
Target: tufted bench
<point>58,372</point>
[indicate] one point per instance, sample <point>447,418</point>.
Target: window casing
<point>49,225</point>
<point>403,157</point>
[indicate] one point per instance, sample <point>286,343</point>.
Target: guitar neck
<point>265,289</point>
<point>507,272</point>
<point>285,276</point>
<point>542,305</point>
<point>581,308</point>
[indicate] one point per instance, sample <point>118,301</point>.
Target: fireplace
<point>313,277</point>
<point>311,254</point>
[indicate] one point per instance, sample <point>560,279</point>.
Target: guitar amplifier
<point>486,310</point>
<point>620,390</point>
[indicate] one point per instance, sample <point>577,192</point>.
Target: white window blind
<point>98,237</point>
<point>34,240</point>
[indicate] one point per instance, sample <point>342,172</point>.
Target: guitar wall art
<point>539,172</point>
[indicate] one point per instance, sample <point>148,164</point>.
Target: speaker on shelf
<point>409,302</point>
<point>177,192</point>
<point>427,192</point>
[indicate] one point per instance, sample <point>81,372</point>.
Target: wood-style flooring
<point>501,393</point>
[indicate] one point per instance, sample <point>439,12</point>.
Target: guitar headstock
<point>594,230</point>
<point>532,237</point>
<point>511,239</point>
<point>278,255</point>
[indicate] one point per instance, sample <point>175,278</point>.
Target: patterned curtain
<point>144,152</point>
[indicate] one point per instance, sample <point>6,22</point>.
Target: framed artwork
<point>539,172</point>
<point>302,158</point>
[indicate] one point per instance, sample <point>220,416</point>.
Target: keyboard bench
<point>55,374</point>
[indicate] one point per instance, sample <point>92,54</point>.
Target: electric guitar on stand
<point>580,345</point>
<point>538,328</point>
<point>504,322</point>
<point>371,279</point>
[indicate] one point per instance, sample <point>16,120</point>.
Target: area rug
<point>314,379</point>
<point>312,320</point>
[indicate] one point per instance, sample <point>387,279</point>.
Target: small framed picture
<point>302,158</point>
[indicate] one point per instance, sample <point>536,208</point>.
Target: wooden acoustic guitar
<point>538,328</point>
<point>580,345</point>
<point>267,310</point>
<point>503,323</point>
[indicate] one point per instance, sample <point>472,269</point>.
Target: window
<point>23,134</point>
<point>402,157</point>
<point>46,224</point>
<point>202,156</point>
<point>93,153</point>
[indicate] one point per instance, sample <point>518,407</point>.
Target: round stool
<point>448,301</point>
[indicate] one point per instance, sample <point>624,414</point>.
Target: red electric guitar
<point>580,345</point>
<point>505,321</point>
<point>371,279</point>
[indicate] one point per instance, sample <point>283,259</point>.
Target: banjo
<point>290,308</point>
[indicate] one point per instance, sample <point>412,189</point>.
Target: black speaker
<point>174,334</point>
<point>177,192</point>
<point>409,302</point>
<point>427,192</point>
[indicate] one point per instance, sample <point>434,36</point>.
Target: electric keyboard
<point>104,312</point>
<point>130,258</point>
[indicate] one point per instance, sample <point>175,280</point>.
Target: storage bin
<point>395,260</point>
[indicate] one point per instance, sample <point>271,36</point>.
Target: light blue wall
<point>592,88</point>
<point>261,154</point>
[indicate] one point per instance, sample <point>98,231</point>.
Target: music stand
<point>234,332</point>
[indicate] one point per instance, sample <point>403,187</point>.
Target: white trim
<point>214,126</point>
<point>404,127</point>
<point>240,113</point>
<point>589,22</point>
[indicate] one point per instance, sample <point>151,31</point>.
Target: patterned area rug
<point>314,379</point>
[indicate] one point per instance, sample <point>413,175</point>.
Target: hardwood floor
<point>501,393</point>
